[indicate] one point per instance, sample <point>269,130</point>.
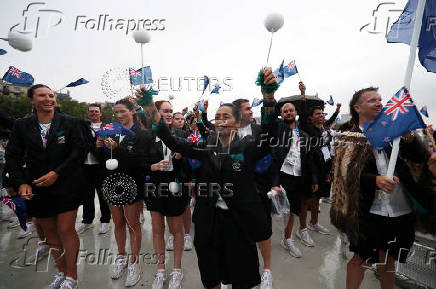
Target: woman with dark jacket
<point>53,148</point>
<point>130,152</point>
<point>229,217</point>
<point>163,204</point>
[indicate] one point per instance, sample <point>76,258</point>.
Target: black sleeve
<point>303,116</point>
<point>206,122</point>
<point>177,144</point>
<point>14,154</point>
<point>202,129</point>
<point>78,148</point>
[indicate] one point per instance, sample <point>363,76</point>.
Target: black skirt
<point>158,198</point>
<point>225,256</point>
<point>393,235</point>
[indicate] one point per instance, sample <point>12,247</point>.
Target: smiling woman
<point>52,148</point>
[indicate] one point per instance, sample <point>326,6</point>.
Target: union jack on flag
<point>15,72</point>
<point>398,103</point>
<point>18,206</point>
<point>195,136</point>
<point>109,126</point>
<point>397,117</point>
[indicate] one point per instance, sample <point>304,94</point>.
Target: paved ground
<point>321,267</point>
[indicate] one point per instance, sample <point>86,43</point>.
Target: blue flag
<point>18,206</point>
<point>136,76</point>
<point>78,82</point>
<point>424,111</point>
<point>2,52</point>
<point>206,83</point>
<point>216,89</point>
<point>256,102</point>
<point>330,101</point>
<point>16,76</point>
<point>280,72</point>
<point>402,30</point>
<point>290,69</point>
<point>114,128</point>
<point>264,164</point>
<point>200,105</point>
<point>397,117</point>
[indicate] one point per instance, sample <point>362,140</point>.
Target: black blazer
<point>231,168</point>
<point>64,153</point>
<point>413,151</point>
<point>308,168</point>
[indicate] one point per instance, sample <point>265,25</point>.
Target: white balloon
<point>173,187</point>
<point>141,36</point>
<point>19,41</point>
<point>112,164</point>
<point>273,22</point>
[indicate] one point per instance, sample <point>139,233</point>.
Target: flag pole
<point>142,64</point>
<point>269,49</point>
<point>408,77</point>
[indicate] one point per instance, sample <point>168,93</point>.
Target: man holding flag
<point>385,230</point>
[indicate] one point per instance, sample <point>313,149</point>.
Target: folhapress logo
<point>37,20</point>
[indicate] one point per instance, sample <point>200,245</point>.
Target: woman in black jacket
<point>130,153</point>
<point>228,216</point>
<point>161,203</point>
<point>51,146</point>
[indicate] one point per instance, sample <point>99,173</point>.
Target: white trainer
<point>104,228</point>
<point>289,245</point>
<point>58,279</point>
<point>187,243</point>
<point>319,228</point>
<point>119,267</point>
<point>133,274</point>
<point>13,223</point>
<point>68,283</point>
<point>266,280</point>
<point>83,227</point>
<point>176,279</point>
<point>170,243</point>
<point>41,252</point>
<point>303,235</point>
<point>159,280</point>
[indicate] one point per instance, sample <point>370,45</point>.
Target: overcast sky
<point>222,39</point>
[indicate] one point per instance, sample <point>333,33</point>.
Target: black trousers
<point>93,177</point>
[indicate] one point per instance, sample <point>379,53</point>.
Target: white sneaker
<point>58,279</point>
<point>6,214</point>
<point>141,218</point>
<point>289,245</point>
<point>133,274</point>
<point>119,267</point>
<point>159,280</point>
<point>68,283</point>
<point>176,279</point>
<point>41,252</point>
<point>319,228</point>
<point>187,243</point>
<point>83,227</point>
<point>104,228</point>
<point>303,235</point>
<point>266,280</point>
<point>13,223</point>
<point>170,243</point>
<point>23,234</point>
